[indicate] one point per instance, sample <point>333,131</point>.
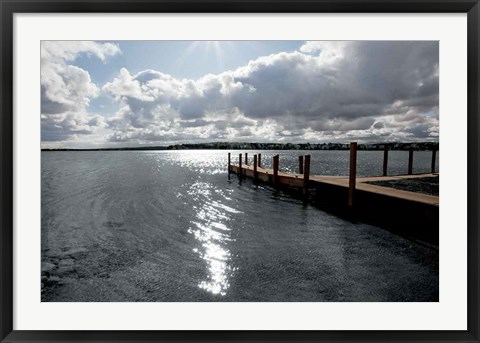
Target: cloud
<point>367,90</point>
<point>66,90</point>
<point>375,90</point>
<point>67,51</point>
<point>124,87</point>
<point>67,126</point>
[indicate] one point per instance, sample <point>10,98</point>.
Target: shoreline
<point>394,146</point>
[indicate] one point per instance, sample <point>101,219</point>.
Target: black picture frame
<point>10,7</point>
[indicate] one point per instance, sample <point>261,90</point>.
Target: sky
<point>97,94</point>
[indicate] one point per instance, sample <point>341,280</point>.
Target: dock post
<point>300,164</point>
<point>434,157</point>
<point>246,158</point>
<point>410,161</point>
<point>385,159</point>
<point>353,172</point>
<point>259,160</point>
<point>255,175</point>
<point>306,174</point>
<point>275,169</point>
<point>240,164</point>
<point>229,160</point>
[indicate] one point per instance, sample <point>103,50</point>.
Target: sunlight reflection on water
<point>200,161</point>
<point>172,226</point>
<point>211,230</point>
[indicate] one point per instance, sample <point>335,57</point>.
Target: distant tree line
<point>305,146</point>
<point>273,146</point>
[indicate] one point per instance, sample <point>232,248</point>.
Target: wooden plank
<point>306,174</point>
<point>296,182</point>
<point>410,161</point>
<point>394,177</point>
<point>248,172</point>
<point>300,164</point>
<point>264,177</point>
<point>332,180</point>
<point>353,172</point>
<point>434,156</point>
<point>399,193</point>
<point>362,185</point>
<point>343,180</point>
<point>275,169</point>
<point>385,160</point>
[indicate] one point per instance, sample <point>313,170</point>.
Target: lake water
<point>172,226</point>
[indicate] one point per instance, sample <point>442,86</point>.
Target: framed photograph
<point>239,171</point>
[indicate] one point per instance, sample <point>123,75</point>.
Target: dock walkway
<point>297,180</point>
<point>305,181</point>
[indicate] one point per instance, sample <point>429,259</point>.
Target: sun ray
<point>210,52</point>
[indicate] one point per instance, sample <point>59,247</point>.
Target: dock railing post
<point>275,169</point>
<point>410,161</point>
<point>385,160</point>
<point>300,164</point>
<point>229,160</point>
<point>240,164</point>
<point>255,175</point>
<point>353,173</point>
<point>246,158</point>
<point>434,157</point>
<point>306,174</point>
<point>259,160</point>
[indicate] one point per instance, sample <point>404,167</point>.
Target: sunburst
<point>213,51</point>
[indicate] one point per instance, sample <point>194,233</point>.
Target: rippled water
<point>171,226</point>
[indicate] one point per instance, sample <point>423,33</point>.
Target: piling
<point>353,173</point>
<point>434,156</point>
<point>364,199</point>
<point>240,164</point>
<point>410,161</point>
<point>228,166</point>
<point>275,169</point>
<point>246,158</point>
<point>385,159</point>
<point>300,164</point>
<point>259,160</point>
<point>306,174</point>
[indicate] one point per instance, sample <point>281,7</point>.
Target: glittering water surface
<point>171,226</point>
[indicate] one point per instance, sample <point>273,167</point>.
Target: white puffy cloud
<point>124,86</point>
<point>65,126</point>
<point>372,90</point>
<point>66,90</point>
<point>67,51</point>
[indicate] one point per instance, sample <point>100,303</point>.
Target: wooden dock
<point>297,181</point>
<point>351,192</point>
<point>305,181</point>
